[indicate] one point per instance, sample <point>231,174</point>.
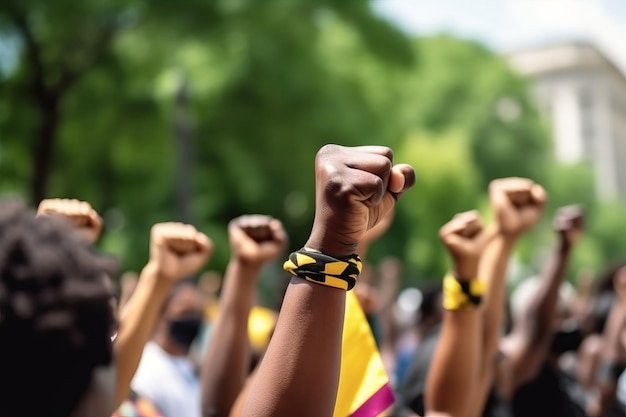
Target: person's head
<point>567,330</point>
<point>55,319</point>
<point>613,273</point>
<point>526,291</point>
<point>430,311</point>
<point>181,319</point>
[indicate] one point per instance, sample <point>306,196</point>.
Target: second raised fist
<point>178,250</point>
<point>256,239</point>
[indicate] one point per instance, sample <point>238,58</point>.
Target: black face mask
<point>183,331</point>
<point>566,340</point>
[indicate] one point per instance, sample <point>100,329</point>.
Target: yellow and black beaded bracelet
<point>319,268</point>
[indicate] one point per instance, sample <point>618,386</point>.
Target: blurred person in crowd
<point>542,333</point>
<point>55,319</point>
<point>166,375</point>
<point>427,321</point>
<point>255,240</point>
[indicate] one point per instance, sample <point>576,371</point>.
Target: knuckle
<point>388,152</point>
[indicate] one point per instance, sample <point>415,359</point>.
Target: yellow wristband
<point>458,295</point>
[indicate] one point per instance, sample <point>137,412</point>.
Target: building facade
<point>583,94</point>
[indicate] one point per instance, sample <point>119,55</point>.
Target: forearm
<point>537,320</point>
<point>137,320</point>
<point>299,374</point>
<point>225,365</point>
<point>612,354</point>
<point>455,364</point>
<point>493,269</point>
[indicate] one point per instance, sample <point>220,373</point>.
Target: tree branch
<point>33,53</point>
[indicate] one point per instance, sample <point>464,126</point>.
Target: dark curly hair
<point>55,315</point>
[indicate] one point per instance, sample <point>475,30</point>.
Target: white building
<point>584,95</point>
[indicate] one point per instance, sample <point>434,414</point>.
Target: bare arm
<point>452,379</point>
<point>225,365</point>
<point>299,374</point>
<point>517,204</point>
<point>527,348</point>
<point>612,354</point>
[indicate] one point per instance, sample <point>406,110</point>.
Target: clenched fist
<point>568,223</point>
<point>256,239</point>
<point>80,214</point>
<point>517,204</point>
<point>465,239</point>
<point>178,250</point>
<point>355,188</point>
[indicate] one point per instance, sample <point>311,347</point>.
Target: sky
<point>509,25</point>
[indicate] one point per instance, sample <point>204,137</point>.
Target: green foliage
<point>446,184</point>
<point>266,84</point>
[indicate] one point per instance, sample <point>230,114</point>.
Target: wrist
<point>466,269</point>
<point>331,245</point>
<point>564,246</point>
<point>245,269</point>
<point>151,274</point>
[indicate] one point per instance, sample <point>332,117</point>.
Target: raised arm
<point>254,240</point>
<point>528,345</point>
<point>612,353</point>
<point>517,204</point>
<point>452,379</point>
<point>299,375</point>
<point>176,251</point>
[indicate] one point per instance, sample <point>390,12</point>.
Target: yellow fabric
<point>261,324</point>
<point>362,373</point>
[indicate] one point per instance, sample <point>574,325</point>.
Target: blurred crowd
<point>172,341</point>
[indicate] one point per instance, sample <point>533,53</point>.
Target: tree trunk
<point>184,142</point>
<point>43,153</point>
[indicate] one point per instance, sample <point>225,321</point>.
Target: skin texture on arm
<point>452,378</point>
<point>527,348</point>
<point>255,240</point>
<point>517,204</point>
<point>299,374</point>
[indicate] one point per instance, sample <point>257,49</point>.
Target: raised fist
<point>465,239</point>
<point>256,239</point>
<point>85,220</point>
<point>517,204</point>
<point>355,188</point>
<point>569,223</point>
<point>178,250</point>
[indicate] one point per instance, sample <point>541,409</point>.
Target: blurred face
<point>182,318</point>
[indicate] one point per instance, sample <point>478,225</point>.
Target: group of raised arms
<point>165,344</point>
